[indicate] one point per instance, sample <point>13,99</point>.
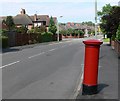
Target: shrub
<point>81,32</point>
<point>22,29</point>
<point>46,36</point>
<point>30,31</point>
<point>3,32</point>
<point>4,41</point>
<point>113,37</point>
<point>118,33</point>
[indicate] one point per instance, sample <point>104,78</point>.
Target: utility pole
<point>58,29</point>
<point>95,19</point>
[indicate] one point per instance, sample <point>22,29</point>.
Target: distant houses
<point>35,20</point>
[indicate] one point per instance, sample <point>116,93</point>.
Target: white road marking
<point>63,46</point>
<point>9,64</point>
<point>41,53</point>
<point>52,49</point>
<point>36,55</point>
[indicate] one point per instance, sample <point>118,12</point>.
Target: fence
<point>18,39</point>
<point>23,39</point>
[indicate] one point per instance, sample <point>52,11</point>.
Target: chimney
<point>69,24</point>
<point>23,11</point>
<point>35,17</point>
<point>72,23</point>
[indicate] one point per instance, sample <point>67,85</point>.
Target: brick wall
<point>117,47</point>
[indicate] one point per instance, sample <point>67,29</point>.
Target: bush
<point>4,41</point>
<point>113,37</point>
<point>118,33</point>
<point>3,32</point>
<point>22,29</point>
<point>46,37</point>
<point>30,31</point>
<point>80,32</point>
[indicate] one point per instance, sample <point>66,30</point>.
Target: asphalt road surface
<point>51,71</point>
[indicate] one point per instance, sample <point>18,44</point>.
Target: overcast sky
<point>71,10</point>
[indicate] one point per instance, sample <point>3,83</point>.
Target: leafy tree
<point>52,26</point>
<point>76,32</point>
<point>105,10</point>
<point>118,33</point>
<point>9,22</point>
<point>89,23</point>
<point>80,32</point>
<point>64,32</point>
<point>70,31</point>
<point>112,21</point>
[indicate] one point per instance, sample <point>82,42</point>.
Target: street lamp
<point>58,28</point>
<point>96,19</point>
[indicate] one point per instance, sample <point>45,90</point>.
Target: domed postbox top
<point>92,42</point>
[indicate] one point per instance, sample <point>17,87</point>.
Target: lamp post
<point>96,19</point>
<point>58,29</point>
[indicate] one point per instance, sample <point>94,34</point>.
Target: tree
<point>118,33</point>
<point>63,32</point>
<point>70,31</point>
<point>52,26</point>
<point>111,21</point>
<point>9,22</point>
<point>105,10</point>
<point>80,32</point>
<point>89,23</point>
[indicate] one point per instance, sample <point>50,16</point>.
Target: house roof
<point>41,18</point>
<point>75,26</point>
<point>22,19</point>
<point>44,18</point>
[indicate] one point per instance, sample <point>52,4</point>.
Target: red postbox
<point>91,61</point>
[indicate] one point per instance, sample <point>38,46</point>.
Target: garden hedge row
<point>4,41</point>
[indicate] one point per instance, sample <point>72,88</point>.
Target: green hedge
<point>118,33</point>
<point>4,41</point>
<point>46,37</point>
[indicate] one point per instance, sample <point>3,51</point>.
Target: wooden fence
<point>23,39</point>
<point>18,39</point>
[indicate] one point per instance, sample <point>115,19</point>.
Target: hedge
<point>4,41</point>
<point>46,37</point>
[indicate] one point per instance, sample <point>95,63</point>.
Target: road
<point>51,71</point>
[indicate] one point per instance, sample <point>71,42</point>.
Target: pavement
<point>107,77</point>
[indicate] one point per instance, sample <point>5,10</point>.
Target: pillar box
<point>91,66</point>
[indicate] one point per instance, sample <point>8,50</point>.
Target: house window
<point>37,24</point>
